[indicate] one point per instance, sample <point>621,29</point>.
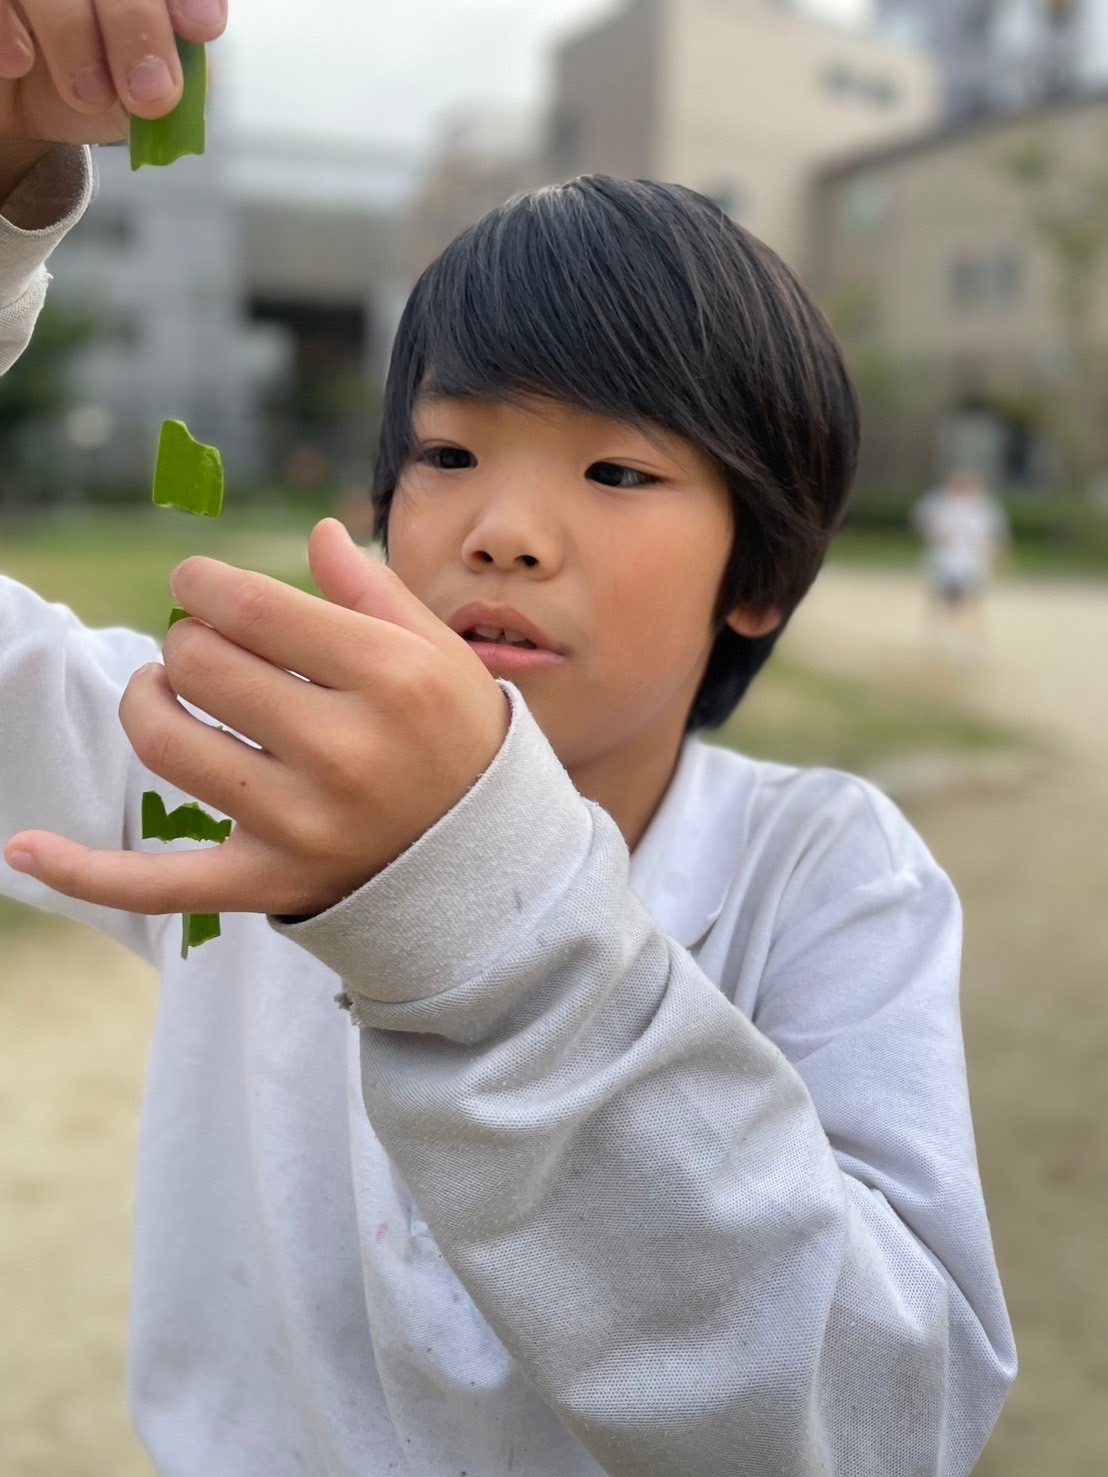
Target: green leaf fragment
<point>197,929</point>
<point>175,615</point>
<point>163,141</point>
<point>189,475</point>
<point>186,823</point>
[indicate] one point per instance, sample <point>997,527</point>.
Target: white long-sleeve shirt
<point>658,1166</point>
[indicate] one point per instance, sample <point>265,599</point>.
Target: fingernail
<point>150,79</point>
<point>21,861</point>
<point>202,12</point>
<point>94,86</point>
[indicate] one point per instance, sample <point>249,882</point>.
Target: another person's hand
<point>73,71</point>
<point>397,720</point>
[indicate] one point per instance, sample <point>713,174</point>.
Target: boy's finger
<point>236,687</point>
<point>349,577</point>
<point>219,768</point>
<point>287,627</point>
<point>17,49</point>
<point>135,882</point>
<point>69,42</point>
<point>142,55</point>
<point>199,20</point>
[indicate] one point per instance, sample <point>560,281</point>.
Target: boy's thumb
<point>348,576</point>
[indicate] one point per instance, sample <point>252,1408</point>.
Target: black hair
<point>645,303</point>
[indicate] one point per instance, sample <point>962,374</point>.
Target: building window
<point>1007,275</point>
<point>732,199</point>
<point>846,82</point>
<point>121,329</point>
<point>108,226</point>
<point>996,278</point>
<point>864,204</point>
<point>969,282</point>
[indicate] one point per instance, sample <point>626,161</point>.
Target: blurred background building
<point>967,272</point>
<point>997,54</point>
<point>741,101</point>
<point>252,292</point>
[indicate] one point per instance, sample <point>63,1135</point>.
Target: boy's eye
<point>448,458</point>
<point>611,474</point>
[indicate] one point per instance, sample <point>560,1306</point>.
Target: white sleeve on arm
<point>65,762</point>
<point>33,220</point>
<point>706,1258</point>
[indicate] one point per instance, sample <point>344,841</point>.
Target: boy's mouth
<point>502,628</point>
<point>496,637</point>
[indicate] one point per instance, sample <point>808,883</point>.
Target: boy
<point>650,1153</point>
<point>966,533</point>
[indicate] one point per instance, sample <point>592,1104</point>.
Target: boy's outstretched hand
<point>397,720</point>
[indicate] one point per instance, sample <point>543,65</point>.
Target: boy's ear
<point>746,621</point>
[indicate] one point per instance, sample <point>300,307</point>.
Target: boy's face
<point>608,546</point>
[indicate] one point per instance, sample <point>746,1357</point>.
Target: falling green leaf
<point>175,615</point>
<point>197,929</point>
<point>186,823</point>
<point>163,141</point>
<point>189,475</point>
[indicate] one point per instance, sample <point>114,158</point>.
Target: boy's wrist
<point>51,188</point>
<point>17,159</point>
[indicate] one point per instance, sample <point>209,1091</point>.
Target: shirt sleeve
<point>66,764</point>
<point>633,1180</point>
<point>36,216</point>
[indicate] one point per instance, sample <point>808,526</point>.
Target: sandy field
<point>1026,848</point>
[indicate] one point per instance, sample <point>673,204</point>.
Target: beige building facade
<point>928,259</point>
<point>743,100</point>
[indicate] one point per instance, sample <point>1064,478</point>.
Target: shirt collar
<point>683,867</point>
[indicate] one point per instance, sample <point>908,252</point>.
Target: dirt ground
<point>1026,848</point>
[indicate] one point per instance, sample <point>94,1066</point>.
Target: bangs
<point>574,293</point>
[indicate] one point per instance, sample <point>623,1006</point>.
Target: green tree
<point>32,395</point>
<point>1066,206</point>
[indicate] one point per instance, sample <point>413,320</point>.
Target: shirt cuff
<point>456,900</point>
<point>38,213</point>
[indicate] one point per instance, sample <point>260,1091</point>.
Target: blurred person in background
<point>967,537</point>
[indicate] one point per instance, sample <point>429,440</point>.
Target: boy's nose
<point>511,542</point>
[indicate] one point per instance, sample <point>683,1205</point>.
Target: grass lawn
<point>113,569</point>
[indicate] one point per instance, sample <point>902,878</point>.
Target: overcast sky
<point>388,71</point>
<point>385,70</point>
